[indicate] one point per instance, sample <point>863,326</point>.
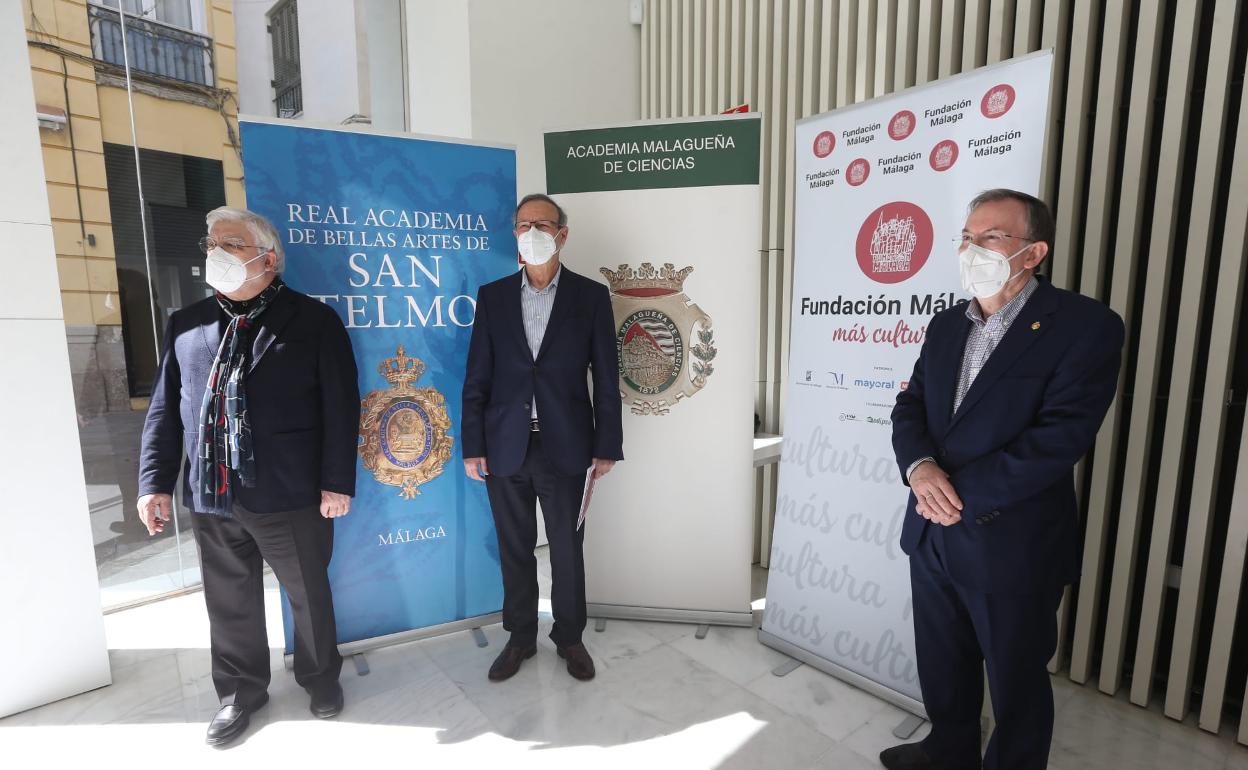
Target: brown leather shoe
<point>508,662</point>
<point>580,665</point>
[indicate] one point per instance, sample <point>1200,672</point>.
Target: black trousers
<point>514,502</point>
<point>297,545</point>
<point>956,633</point>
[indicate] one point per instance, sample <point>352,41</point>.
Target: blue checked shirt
<point>535,306</point>
<point>983,339</point>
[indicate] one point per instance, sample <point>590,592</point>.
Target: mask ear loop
<point>1011,257</point>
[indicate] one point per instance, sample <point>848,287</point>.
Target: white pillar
<point>51,626</point>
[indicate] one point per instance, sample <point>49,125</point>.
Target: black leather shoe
<point>231,721</point>
<point>327,701</point>
<point>580,665</point>
<point>508,662</point>
<point>911,756</point>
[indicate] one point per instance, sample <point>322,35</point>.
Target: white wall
<point>383,28</point>
<point>254,58</point>
<point>439,68</point>
<point>52,642</point>
<point>532,65</point>
<point>543,64</point>
<point>327,59</point>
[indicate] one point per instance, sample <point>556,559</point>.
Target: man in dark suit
<point>1007,395</point>
<point>258,385</point>
<point>531,430</point>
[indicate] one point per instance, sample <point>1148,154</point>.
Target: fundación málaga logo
<point>943,155</point>
<point>997,101</point>
<point>902,125</point>
<point>665,341</point>
<point>404,428</point>
<point>825,142</point>
<point>858,171</point>
<point>894,242</point>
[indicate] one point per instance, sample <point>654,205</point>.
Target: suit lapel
<point>1023,333</point>
<point>271,323</point>
<point>943,381</point>
<point>513,313</point>
<point>563,304</point>
<point>210,327</point>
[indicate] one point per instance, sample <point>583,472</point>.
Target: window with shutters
<point>287,87</point>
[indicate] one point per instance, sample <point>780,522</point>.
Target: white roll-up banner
<point>881,196</point>
<point>666,214</point>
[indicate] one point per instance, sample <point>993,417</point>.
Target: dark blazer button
<point>944,452</point>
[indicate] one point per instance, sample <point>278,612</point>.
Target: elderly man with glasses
<point>257,388</point>
<point>532,430</point>
<point>1006,397</point>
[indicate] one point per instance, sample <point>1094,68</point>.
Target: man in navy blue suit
<point>1007,395</point>
<point>532,430</point>
<point>257,388</point>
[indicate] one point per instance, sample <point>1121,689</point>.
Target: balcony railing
<point>288,98</point>
<point>155,48</point>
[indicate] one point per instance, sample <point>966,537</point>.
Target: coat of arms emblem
<point>403,430</point>
<point>665,342</point>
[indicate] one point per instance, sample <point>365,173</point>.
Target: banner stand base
<point>697,617</point>
<point>909,726</point>
<point>786,668</point>
<point>899,700</point>
<point>350,649</point>
<point>361,664</point>
<point>478,636</point>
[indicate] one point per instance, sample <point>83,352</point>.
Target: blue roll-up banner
<point>396,233</point>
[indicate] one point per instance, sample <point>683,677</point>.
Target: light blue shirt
<point>535,307</point>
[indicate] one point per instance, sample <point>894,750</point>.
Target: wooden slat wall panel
<point>847,53</point>
<point>1124,168</point>
<point>1131,196</point>
<point>829,28</point>
<point>927,50</point>
<point>1218,70</point>
<point>1227,308</point>
<point>885,45</point>
<point>905,48</point>
<point>1174,146</point>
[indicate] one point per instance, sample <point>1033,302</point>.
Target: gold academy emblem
<point>403,430</point>
<point>665,341</point>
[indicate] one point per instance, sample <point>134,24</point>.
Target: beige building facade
<point>183,91</point>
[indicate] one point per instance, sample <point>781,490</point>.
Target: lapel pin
<point>1035,326</point>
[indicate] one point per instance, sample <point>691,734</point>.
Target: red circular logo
<point>857,172</point>
<point>825,142</point>
<point>943,155</point>
<point>902,125</point>
<point>997,101</point>
<point>894,242</point>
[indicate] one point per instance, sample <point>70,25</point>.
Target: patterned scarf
<point>224,432</point>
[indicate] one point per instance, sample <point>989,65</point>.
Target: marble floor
<point>662,698</point>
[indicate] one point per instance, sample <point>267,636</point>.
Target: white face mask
<point>985,272</point>
<point>536,247</point>
<point>227,273</point>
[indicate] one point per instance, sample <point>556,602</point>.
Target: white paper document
<point>586,496</point>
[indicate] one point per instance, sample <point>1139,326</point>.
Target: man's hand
<point>602,467</point>
<point>334,505</point>
<point>154,511</point>
<point>476,468</point>
<point>937,499</point>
